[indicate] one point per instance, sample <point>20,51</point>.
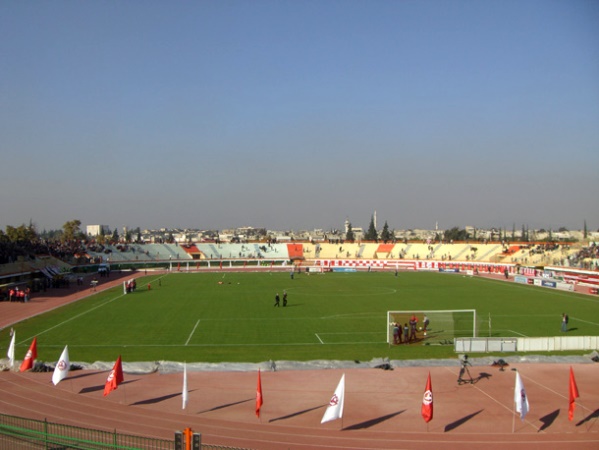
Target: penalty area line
<point>192,331</point>
<point>515,332</point>
<point>318,337</point>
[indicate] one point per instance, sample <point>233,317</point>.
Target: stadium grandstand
<point>52,265</point>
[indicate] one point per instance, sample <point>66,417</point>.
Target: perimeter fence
<point>19,433</point>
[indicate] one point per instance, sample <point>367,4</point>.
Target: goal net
<point>442,327</point>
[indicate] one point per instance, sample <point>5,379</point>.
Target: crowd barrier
<point>525,344</point>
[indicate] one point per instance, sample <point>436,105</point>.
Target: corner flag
<point>520,397</point>
<point>335,408</point>
<point>29,357</point>
<point>11,350</point>
<point>573,395</point>
<point>259,398</point>
<point>427,401</point>
<point>61,371</point>
<point>114,378</point>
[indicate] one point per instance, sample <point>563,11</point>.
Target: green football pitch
<point>230,317</point>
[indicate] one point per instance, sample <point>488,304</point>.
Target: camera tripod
<point>461,378</point>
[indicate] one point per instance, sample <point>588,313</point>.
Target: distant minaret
<point>346,225</point>
<point>375,227</point>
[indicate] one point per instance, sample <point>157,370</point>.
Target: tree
<point>21,234</point>
<point>386,235</point>
<point>51,235</point>
<point>70,230</point>
<point>371,234</point>
<point>350,236</point>
<point>585,230</point>
<point>115,236</point>
<point>455,234</point>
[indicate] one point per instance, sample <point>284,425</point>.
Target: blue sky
<point>300,114</point>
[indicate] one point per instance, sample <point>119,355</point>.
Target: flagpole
<point>514,419</point>
<point>514,408</point>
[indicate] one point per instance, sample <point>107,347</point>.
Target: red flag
<point>573,395</point>
<point>114,378</point>
<point>259,399</point>
<point>427,401</point>
<point>29,356</point>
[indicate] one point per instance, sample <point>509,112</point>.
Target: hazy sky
<point>300,114</point>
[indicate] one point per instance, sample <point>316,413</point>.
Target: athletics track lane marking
<point>511,410</point>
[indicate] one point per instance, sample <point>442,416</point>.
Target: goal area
<point>443,325</point>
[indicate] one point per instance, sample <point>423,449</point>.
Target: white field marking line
<point>262,319</point>
<point>364,315</point>
<point>73,318</point>
<point>275,344</point>
<point>585,321</point>
<point>295,319</point>
<point>316,334</point>
<point>512,409</point>
<point>557,293</point>
<point>192,331</point>
<point>522,315</point>
<point>389,291</point>
<point>515,332</point>
<point>544,315</point>
<point>353,332</point>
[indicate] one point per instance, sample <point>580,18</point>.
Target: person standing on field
<point>277,300</point>
<point>413,324</point>
<point>396,333</point>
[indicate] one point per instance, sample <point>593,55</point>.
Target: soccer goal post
<point>442,326</point>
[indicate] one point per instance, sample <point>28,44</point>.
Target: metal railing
<point>19,433</point>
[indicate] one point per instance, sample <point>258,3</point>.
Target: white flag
<point>335,408</point>
<point>185,394</point>
<point>61,371</point>
<point>520,397</point>
<point>11,350</point>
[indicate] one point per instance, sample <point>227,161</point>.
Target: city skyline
<point>297,115</point>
